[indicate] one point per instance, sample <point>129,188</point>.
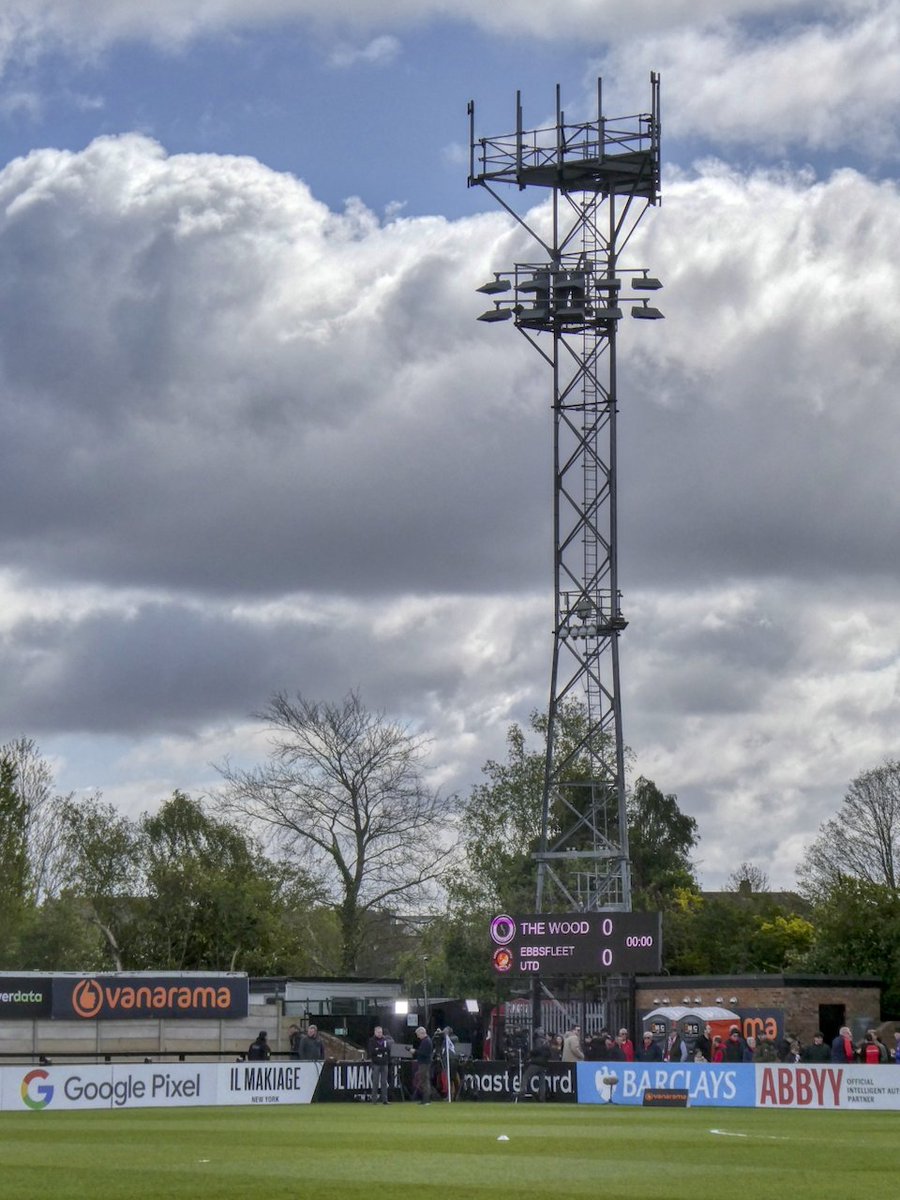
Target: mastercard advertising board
<point>139,997</point>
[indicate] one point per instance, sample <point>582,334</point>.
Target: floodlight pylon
<point>601,175</point>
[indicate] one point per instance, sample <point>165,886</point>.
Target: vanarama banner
<point>139,997</point>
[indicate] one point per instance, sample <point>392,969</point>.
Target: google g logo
<point>44,1091</point>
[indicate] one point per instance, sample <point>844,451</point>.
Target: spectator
<point>294,1040</point>
<point>897,1047</point>
<point>676,1048</point>
<point>842,1047</point>
<point>704,1044</point>
<point>870,1050</point>
<point>572,1051</point>
<point>260,1050</point>
<point>537,1066</point>
<point>733,1050</point>
<point>765,1049</point>
<point>626,1044</point>
<point>717,1054</point>
<point>311,1048</point>
<point>422,1054</point>
<point>818,1052</point>
<point>649,1049</point>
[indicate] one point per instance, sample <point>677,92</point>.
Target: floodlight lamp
<point>471,1006</point>
<point>609,284</point>
<point>646,313</point>
<point>401,1008</point>
<point>495,285</point>
<point>608,314</point>
<point>495,314</point>
<point>698,999</point>
<point>646,283</point>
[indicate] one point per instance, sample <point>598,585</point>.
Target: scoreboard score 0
<point>586,943</point>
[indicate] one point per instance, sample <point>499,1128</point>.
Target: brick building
<point>798,1005</point>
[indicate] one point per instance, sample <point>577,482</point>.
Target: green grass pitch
<point>349,1151</point>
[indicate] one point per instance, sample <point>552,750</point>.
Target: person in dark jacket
<point>537,1066</point>
<point>311,1048</point>
<point>649,1049</point>
<point>818,1052</point>
<point>422,1054</point>
<point>842,1047</point>
<point>734,1046</point>
<point>260,1050</point>
<point>379,1052</point>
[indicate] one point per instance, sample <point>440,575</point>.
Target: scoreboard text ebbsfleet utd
<point>588,943</point>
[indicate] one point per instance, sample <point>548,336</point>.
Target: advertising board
<point>854,1086</point>
<point>155,1085</point>
<point>718,1085</point>
<point>139,997</point>
<point>26,997</point>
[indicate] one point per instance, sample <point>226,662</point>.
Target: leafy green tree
<point>344,795</point>
<point>212,900</point>
<point>14,876</point>
<point>660,840</point>
<point>101,845</point>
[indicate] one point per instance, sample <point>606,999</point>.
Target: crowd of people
<point>604,1046</point>
<point>437,1056</point>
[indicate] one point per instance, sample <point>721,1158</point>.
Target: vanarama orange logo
<point>87,998</point>
<point>94,997</point>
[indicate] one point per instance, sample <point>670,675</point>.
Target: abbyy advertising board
<point>854,1086</point>
<point>24,996</point>
<point>139,997</point>
<point>588,943</point>
<point>717,1085</point>
<point>155,1085</point>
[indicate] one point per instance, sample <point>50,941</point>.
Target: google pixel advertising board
<point>588,943</point>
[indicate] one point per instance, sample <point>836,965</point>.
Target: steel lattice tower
<point>601,176</point>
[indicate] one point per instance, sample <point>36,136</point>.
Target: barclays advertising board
<point>718,1085</point>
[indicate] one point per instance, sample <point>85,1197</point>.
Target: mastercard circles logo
<point>87,998</point>
<point>38,1096</point>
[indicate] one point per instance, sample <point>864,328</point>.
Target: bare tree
<point>863,840</point>
<point>43,808</point>
<point>343,791</point>
<point>748,879</point>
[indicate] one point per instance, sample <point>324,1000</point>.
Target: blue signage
<point>714,1085</point>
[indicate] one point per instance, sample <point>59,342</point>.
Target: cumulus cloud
<point>381,51</point>
<point>29,27</point>
<point>254,444</point>
<point>826,83</point>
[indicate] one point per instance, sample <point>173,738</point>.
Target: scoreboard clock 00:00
<point>587,943</point>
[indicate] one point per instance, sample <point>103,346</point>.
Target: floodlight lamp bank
<point>569,298</point>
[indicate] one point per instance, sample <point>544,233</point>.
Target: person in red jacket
<point>626,1045</point>
<point>842,1047</point>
